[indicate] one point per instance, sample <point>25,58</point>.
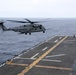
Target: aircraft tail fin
<point>3,27</point>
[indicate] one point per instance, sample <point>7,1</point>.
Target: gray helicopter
<point>33,26</point>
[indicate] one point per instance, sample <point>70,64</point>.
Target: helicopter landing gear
<point>26,33</point>
<point>29,33</point>
<point>43,31</point>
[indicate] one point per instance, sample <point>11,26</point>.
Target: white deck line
<point>51,60</point>
<point>25,58</point>
<point>2,64</point>
<point>56,41</point>
<point>44,48</point>
<point>34,56</point>
<point>55,55</point>
<point>60,37</point>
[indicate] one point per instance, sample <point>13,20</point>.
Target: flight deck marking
<point>56,41</point>
<point>60,37</point>
<point>16,64</point>
<point>55,55</point>
<point>51,60</point>
<point>25,58</point>
<point>42,66</point>
<point>44,48</point>
<point>9,61</point>
<point>40,58</point>
<point>2,64</point>
<point>53,67</point>
<point>34,56</point>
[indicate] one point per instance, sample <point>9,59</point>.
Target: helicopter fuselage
<point>28,29</point>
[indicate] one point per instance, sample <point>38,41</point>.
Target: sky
<point>38,8</point>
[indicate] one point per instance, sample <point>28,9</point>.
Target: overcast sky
<point>38,8</point>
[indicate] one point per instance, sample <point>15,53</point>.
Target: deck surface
<point>55,56</point>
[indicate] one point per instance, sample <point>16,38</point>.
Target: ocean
<point>13,43</point>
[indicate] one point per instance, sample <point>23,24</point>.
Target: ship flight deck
<point>55,56</point>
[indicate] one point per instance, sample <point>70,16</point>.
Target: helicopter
<point>32,26</point>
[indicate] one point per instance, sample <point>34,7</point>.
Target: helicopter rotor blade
<point>32,22</point>
<point>17,21</point>
<point>28,20</point>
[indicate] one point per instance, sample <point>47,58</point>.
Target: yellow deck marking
<point>16,64</point>
<point>9,61</point>
<point>41,66</point>
<point>53,67</point>
<point>42,56</point>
